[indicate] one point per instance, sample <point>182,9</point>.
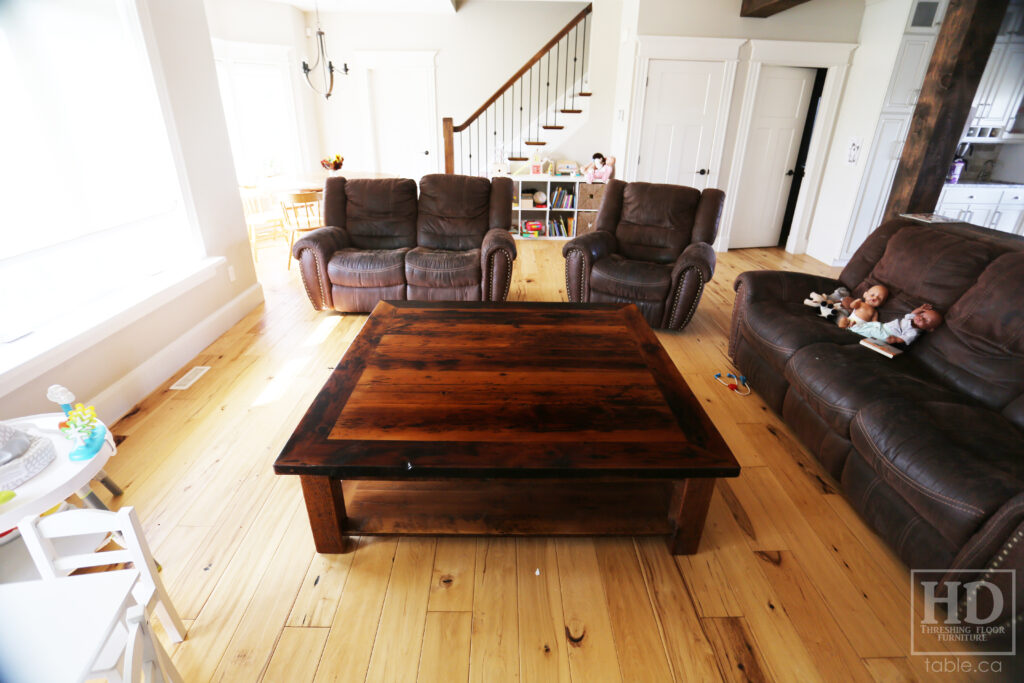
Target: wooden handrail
<point>526,67</point>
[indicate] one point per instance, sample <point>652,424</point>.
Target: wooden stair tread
<point>552,127</point>
<point>571,111</point>
<point>584,94</point>
<point>535,142</point>
<point>519,158</point>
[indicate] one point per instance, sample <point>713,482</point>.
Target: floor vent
<point>190,377</point>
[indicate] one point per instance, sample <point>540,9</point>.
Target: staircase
<point>542,104</point>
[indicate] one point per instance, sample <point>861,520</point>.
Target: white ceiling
<point>423,6</point>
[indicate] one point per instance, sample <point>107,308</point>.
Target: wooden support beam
<point>766,8</point>
<point>447,128</point>
<point>961,51</point>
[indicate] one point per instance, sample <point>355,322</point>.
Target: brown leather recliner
<point>651,247</point>
<point>382,243</point>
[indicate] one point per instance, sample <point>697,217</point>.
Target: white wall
<point>183,42</point>
<point>273,23</point>
<point>827,21</point>
<point>867,81</point>
<point>477,48</point>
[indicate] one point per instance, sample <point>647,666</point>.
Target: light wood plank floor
<point>789,584</point>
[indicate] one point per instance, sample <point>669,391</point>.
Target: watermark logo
<point>975,614</point>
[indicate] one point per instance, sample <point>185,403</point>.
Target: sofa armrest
<point>580,255</point>
<point>762,285</point>
<point>692,270</point>
<point>313,252</point>
<point>497,254</point>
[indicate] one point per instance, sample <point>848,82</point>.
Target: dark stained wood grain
<point>687,511</point>
<point>460,394</point>
<point>325,505</point>
<point>962,49</point>
<point>766,8</point>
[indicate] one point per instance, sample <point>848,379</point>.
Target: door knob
<point>426,153</point>
<point>789,172</point>
<point>703,171</point>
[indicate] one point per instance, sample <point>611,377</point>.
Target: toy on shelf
<point>601,169</point>
<point>81,425</point>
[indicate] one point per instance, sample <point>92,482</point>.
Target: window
<point>90,198</point>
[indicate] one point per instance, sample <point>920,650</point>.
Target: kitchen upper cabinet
<point>1001,86</point>
<point>926,16</point>
<point>908,75</point>
<point>1013,21</point>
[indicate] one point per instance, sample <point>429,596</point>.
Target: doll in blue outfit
<point>903,330</point>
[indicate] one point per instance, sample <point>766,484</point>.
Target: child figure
<point>600,169</point>
<point>901,330</point>
<point>863,310</point>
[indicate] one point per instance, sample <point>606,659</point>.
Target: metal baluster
<point>575,51</point>
<point>460,152</point>
<point>547,91</point>
<point>520,117</point>
<point>558,56</point>
<point>503,152</point>
<point>565,81</point>
<point>529,108</point>
<point>583,61</point>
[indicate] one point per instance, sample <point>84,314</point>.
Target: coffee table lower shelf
<point>338,510</point>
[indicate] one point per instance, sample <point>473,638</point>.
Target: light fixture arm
<point>322,63</point>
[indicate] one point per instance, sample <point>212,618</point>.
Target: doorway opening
<point>801,158</point>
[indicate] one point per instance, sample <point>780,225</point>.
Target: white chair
<point>143,655</point>
<point>39,534</point>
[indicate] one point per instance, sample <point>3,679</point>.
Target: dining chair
<point>144,657</point>
<point>263,218</point>
<point>40,534</point>
<point>302,213</point>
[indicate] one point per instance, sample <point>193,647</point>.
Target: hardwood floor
<point>789,584</point>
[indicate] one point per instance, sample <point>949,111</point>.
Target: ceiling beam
<point>766,8</point>
<point>961,51</point>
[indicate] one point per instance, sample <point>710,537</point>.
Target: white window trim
<point>61,340</point>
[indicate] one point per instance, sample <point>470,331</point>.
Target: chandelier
<point>323,68</point>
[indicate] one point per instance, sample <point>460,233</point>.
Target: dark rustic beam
<point>766,8</point>
<point>961,51</point>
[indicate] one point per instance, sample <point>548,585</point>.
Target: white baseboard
<point>120,397</point>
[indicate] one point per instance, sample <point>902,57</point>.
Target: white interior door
<point>680,122</point>
<point>403,117</point>
<point>777,124</point>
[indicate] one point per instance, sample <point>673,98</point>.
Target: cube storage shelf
<point>578,216</point>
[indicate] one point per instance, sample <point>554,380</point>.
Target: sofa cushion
<point>954,464</point>
<point>631,280</point>
<point>441,268</point>
<point>837,381</point>
<point>778,329</point>
<point>979,350</point>
<point>454,211</point>
<point>656,223</point>
<point>922,264</point>
<point>367,267</point>
<point>380,213</point>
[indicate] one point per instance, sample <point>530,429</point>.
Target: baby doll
<point>903,330</point>
<point>863,310</point>
<point>600,169</point>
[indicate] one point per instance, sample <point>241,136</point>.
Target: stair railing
<point>530,99</point>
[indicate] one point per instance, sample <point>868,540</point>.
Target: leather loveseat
<point>381,241</point>
<point>928,446</point>
<point>651,247</point>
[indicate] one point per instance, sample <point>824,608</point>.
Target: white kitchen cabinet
<point>1013,20</point>
<point>1001,86</point>
<point>886,148</point>
<point>999,208</point>
<point>908,75</point>
<point>926,16</point>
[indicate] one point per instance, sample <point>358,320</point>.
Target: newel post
<point>449,145</point>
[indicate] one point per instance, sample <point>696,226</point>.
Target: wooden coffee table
<point>515,418</point>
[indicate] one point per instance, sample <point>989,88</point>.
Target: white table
<point>54,630</point>
<point>61,478</point>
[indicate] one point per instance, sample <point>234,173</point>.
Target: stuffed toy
<point>828,304</point>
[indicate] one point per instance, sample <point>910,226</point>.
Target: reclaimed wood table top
<point>439,390</point>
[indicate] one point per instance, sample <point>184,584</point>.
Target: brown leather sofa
<point>928,446</point>
<point>651,247</point>
<point>382,242</point>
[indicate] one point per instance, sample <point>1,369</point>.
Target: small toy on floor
<point>740,386</point>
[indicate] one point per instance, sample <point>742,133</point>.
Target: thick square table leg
<point>687,512</point>
<point>325,504</point>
